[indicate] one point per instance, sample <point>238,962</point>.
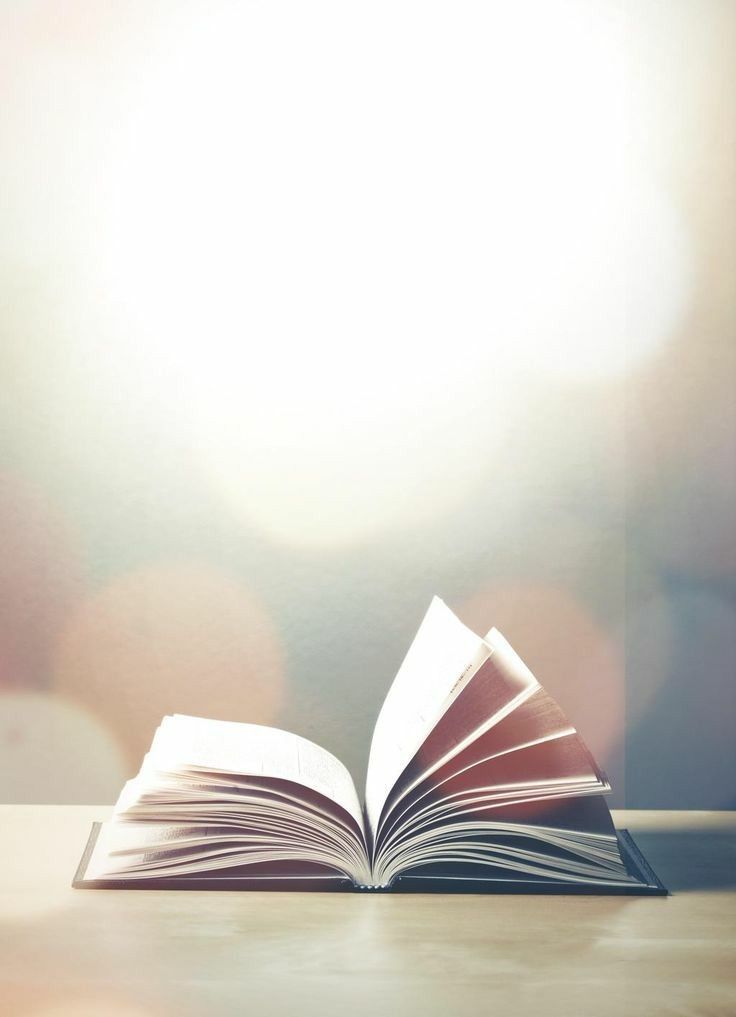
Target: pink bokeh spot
<point>567,649</point>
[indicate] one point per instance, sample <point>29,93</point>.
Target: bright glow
<point>339,233</point>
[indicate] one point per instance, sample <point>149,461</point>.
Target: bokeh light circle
<point>176,637</point>
<point>40,582</point>
<point>54,750</point>
<point>576,660</point>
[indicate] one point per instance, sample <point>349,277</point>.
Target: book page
<point>154,850</point>
<point>440,662</point>
<point>497,693</point>
<point>182,742</point>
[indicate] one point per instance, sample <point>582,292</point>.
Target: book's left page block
<point>184,743</point>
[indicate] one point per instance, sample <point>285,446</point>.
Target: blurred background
<point>310,311</point>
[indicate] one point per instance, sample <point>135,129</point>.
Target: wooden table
<point>76,953</point>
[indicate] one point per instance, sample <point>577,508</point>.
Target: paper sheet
<point>440,662</point>
<point>251,749</point>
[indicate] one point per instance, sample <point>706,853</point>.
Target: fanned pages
<point>476,781</point>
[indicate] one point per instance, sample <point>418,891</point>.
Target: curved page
<point>441,660</point>
<point>495,696</point>
<point>184,743</point>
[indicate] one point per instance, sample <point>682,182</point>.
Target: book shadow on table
<point>693,859</point>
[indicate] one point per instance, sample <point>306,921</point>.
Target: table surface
<point>97,953</point>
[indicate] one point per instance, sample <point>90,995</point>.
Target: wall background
<point>312,311</point>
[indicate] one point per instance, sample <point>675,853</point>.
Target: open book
<point>476,782</point>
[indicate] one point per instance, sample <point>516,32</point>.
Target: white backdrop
<point>313,310</point>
